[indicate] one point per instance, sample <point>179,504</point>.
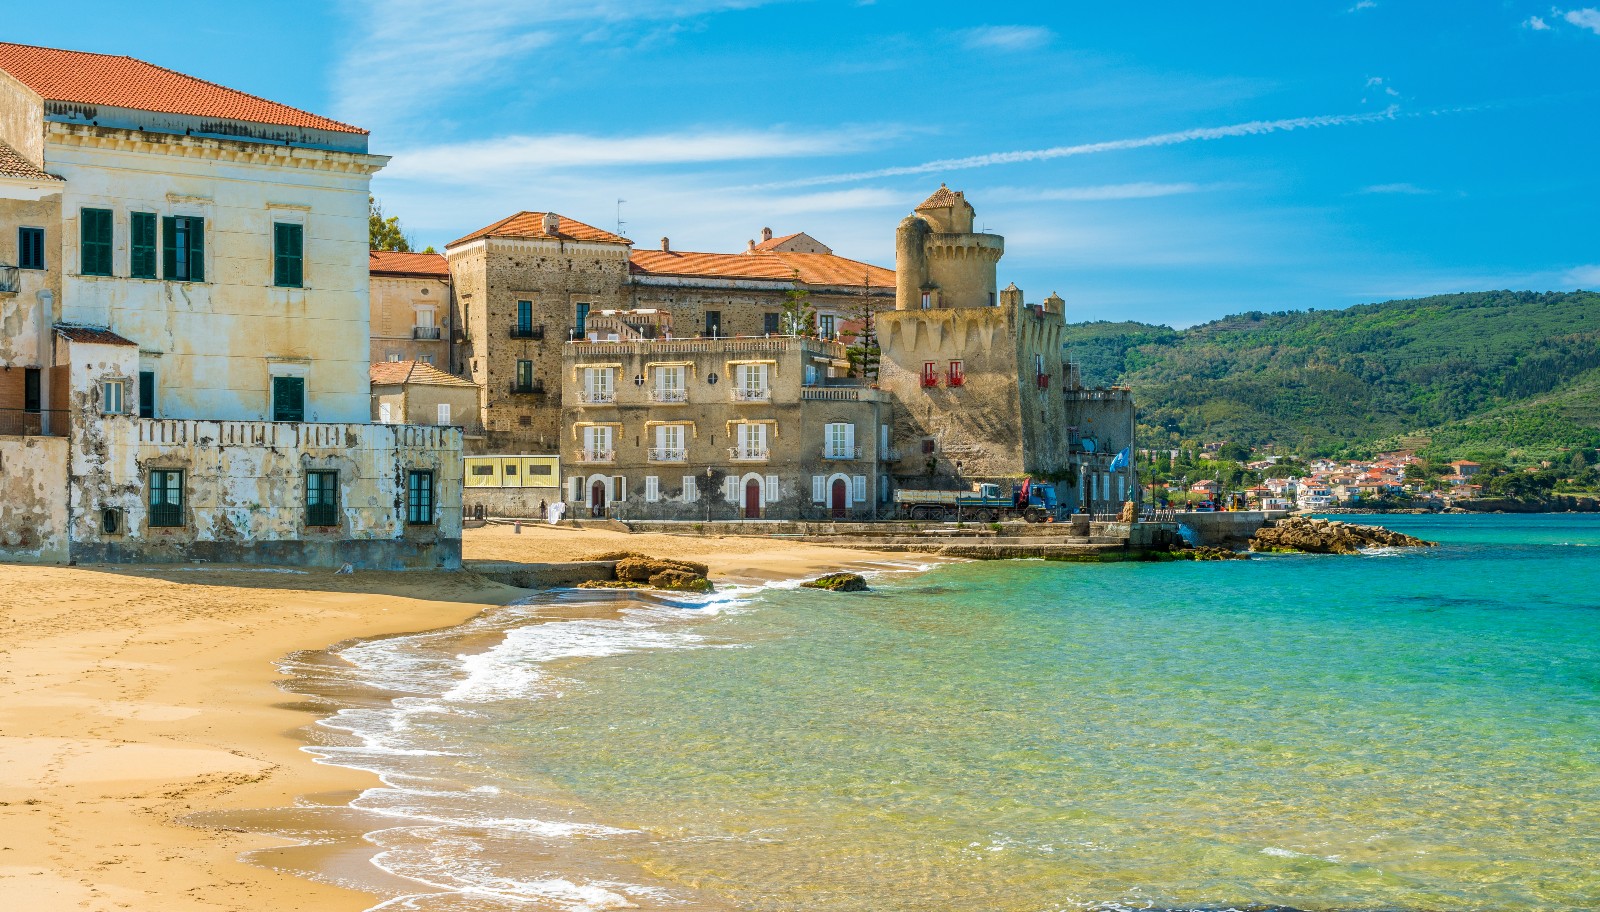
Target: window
<point>147,394</point>
<point>111,396</point>
<point>669,443</point>
<point>166,498</point>
<point>991,299</point>
<point>393,356</point>
<point>31,397</point>
<point>142,245</point>
<point>524,318</point>
<point>183,240</point>
<point>597,444</point>
<point>691,489</point>
<point>752,441</point>
<point>714,323</point>
<point>288,398</point>
<point>769,323</point>
<point>927,446</point>
<point>30,248</point>
<point>322,498</point>
<point>385,413</point>
<point>750,382</point>
<point>825,324</point>
<point>669,384</point>
<point>958,374</point>
<point>858,487</point>
<point>927,300</point>
<point>94,229</point>
<point>930,373</point>
<point>597,384</point>
<point>444,414</point>
<point>525,376</point>
<point>839,441</point>
<point>580,318</point>
<point>419,498</point>
<point>652,489</point>
<point>288,255</point>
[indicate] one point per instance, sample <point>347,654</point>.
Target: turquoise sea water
<point>1404,730</point>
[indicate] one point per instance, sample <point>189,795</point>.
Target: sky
<point>1167,162</point>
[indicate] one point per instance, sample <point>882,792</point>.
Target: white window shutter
<point>730,488</point>
<point>859,483</point>
<point>818,482</point>
<point>772,489</point>
<point>444,413</point>
<point>575,489</point>
<point>385,413</point>
<point>690,490</point>
<point>652,489</point>
<point>849,440</point>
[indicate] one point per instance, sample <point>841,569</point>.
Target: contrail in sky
<point>1252,128</point>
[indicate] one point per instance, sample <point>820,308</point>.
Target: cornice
<point>208,149</point>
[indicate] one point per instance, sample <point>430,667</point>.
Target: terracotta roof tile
<point>80,77</point>
<point>531,225</point>
<point>389,262</point>
<point>941,197</point>
<point>773,243</point>
<point>395,373</point>
<point>12,164</point>
<point>814,268</point>
<point>92,335</point>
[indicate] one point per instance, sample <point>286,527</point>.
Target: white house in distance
<point>201,328</point>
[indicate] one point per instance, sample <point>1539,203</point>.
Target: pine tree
<point>385,233</point>
<point>863,352</point>
<point>799,317</point>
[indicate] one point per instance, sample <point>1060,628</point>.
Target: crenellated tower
<point>940,262</point>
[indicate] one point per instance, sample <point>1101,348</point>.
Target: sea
<point>1406,729</point>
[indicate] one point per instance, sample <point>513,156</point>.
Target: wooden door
<point>752,499</point>
<point>840,499</point>
<point>597,499</point>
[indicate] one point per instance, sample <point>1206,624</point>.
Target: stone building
<point>411,392</point>
<point>719,428</point>
<point>413,309</point>
<point>192,317</point>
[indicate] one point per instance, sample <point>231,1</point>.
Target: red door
<point>752,499</point>
<point>841,498</point>
<point>597,499</point>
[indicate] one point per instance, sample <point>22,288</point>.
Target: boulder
<point>639,569</point>
<point>1321,536</point>
<point>681,581</point>
<point>838,582</point>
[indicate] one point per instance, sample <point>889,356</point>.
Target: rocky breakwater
<point>1324,536</point>
<point>640,571</point>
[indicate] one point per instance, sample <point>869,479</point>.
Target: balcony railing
<point>747,454</point>
<point>597,396</point>
<point>593,456</point>
<point>930,380</point>
<point>168,515</point>
<point>956,380</point>
<point>889,454</point>
<point>534,388</point>
<point>668,454</point>
<point>24,423</point>
<point>669,395</point>
<point>322,514</point>
<point>841,453</point>
<point>519,331</point>
<point>10,279</point>
<point>425,332</point>
<point>745,394</point>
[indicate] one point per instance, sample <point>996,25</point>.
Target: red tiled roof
<point>389,262</point>
<point>769,245</point>
<point>531,225</point>
<point>12,164</point>
<point>814,268</point>
<point>80,77</point>
<point>91,335</point>
<point>942,197</point>
<point>395,373</point>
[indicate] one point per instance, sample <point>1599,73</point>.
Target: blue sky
<point>1167,162</point>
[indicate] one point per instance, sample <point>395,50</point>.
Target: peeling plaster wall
<point>33,501</point>
<point>244,492</point>
<point>27,314</point>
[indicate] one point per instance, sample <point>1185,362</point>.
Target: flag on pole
<point>1121,462</point>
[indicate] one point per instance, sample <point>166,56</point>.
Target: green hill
<point>1489,374</point>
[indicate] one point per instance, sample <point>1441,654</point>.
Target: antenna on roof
<point>620,222</point>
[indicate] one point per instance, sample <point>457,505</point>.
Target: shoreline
<point>139,696</point>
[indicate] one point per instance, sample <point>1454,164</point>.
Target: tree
<point>385,233</point>
<point>799,317</point>
<point>864,352</point>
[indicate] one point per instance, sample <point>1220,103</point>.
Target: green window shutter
<point>169,248</point>
<point>94,229</point>
<point>142,248</point>
<point>288,399</point>
<point>197,250</point>
<point>288,255</point>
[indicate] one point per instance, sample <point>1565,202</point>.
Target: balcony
<point>668,454</point>
<point>532,388</point>
<point>841,453</point>
<point>25,423</point>
<point>10,279</point>
<point>752,395</point>
<point>930,381</point>
<point>669,395</point>
<point>430,333</point>
<point>594,457</point>
<point>521,331</point>
<point>957,380</point>
<point>747,454</point>
<point>888,454</point>
<point>597,397</point>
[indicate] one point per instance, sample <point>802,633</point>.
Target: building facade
<point>200,324</point>
<point>413,308</point>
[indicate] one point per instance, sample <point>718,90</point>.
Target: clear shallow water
<point>1415,730</point>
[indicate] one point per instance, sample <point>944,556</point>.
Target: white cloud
<point>1252,128</point>
<point>492,160</point>
<point>1588,276</point>
<point>1588,18</point>
<point>1007,37</point>
<point>1362,5</point>
<point>1399,189</point>
<point>1537,24</point>
<point>1100,193</point>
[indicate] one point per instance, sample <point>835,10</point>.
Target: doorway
<point>752,499</point>
<point>597,499</point>
<point>840,498</point>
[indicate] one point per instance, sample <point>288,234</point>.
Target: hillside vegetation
<point>1491,374</point>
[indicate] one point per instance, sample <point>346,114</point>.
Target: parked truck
<point>986,502</point>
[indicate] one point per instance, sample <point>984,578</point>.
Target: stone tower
<point>940,262</point>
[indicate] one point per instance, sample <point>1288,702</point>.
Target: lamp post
<point>958,493</point>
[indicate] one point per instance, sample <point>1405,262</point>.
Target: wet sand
<point>133,698</point>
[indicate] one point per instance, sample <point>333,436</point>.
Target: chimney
<point>666,245</point>
<point>552,224</point>
<point>752,245</point>
<point>766,235</point>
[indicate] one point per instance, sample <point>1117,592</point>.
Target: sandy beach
<point>133,697</point>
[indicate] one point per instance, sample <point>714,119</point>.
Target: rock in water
<point>838,582</point>
<point>1321,536</point>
